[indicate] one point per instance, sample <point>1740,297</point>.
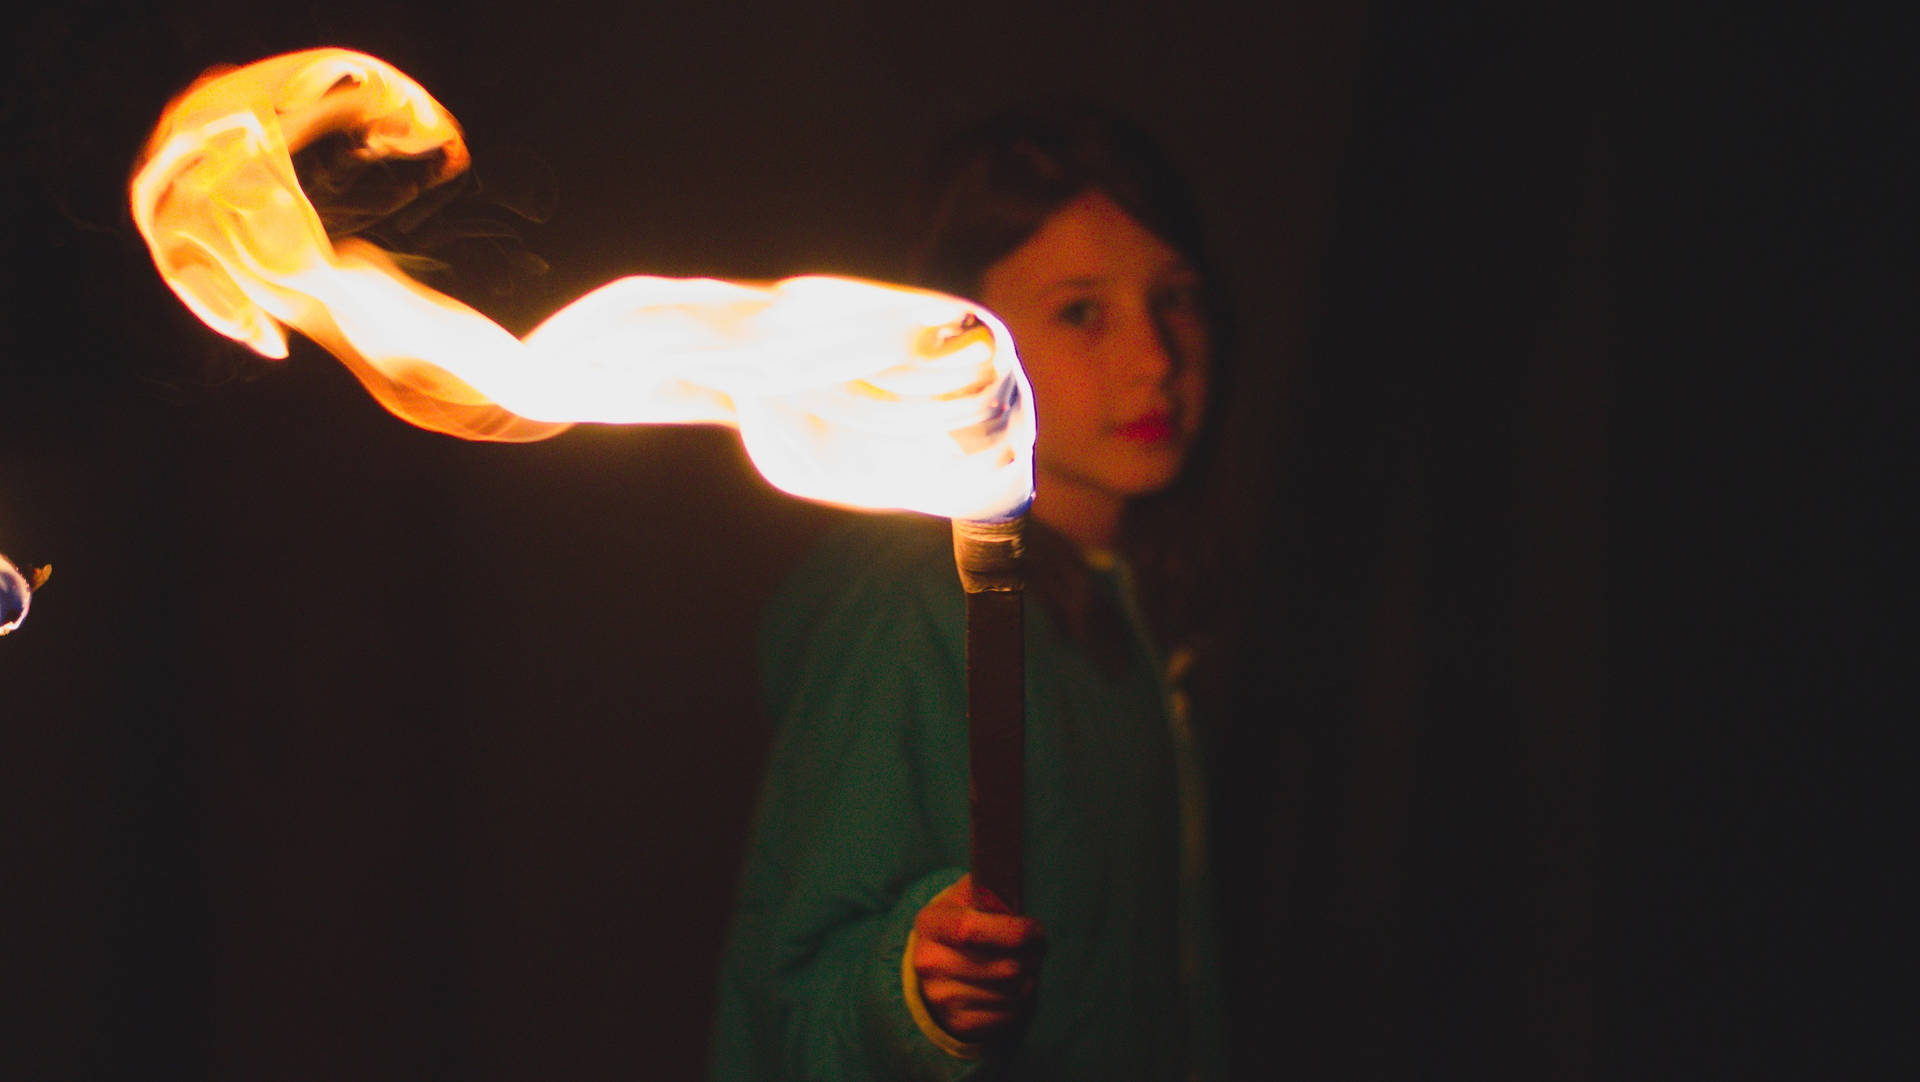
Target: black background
<point>338,749</point>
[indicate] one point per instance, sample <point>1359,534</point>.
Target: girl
<point>859,950</point>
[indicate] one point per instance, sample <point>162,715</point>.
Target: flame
<point>16,593</point>
<point>851,392</point>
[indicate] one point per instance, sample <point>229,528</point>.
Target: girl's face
<point>1111,330</point>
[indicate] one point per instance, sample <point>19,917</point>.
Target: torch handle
<point>996,724</point>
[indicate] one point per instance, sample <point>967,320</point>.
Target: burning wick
<point>16,593</point>
<point>866,395</point>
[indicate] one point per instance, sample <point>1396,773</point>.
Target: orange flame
<point>850,392</point>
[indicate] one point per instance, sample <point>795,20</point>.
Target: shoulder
<point>865,546</point>
<point>873,557</point>
<point>874,584</point>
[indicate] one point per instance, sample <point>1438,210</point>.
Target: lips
<point>1157,427</point>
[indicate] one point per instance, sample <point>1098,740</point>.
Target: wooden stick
<point>990,557</point>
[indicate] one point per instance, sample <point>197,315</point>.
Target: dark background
<point>337,749</point>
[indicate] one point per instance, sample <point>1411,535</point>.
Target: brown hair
<point>992,186</point>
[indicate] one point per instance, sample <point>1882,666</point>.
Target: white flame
<point>851,392</point>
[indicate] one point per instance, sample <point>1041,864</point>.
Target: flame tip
<point>844,390</point>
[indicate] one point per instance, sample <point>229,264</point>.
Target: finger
<point>962,1010</point>
<point>974,1018</point>
<point>955,992</point>
<point>936,961</point>
<point>975,1026</point>
<point>972,1014</point>
<point>985,900</point>
<point>970,929</point>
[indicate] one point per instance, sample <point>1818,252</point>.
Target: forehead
<point>1090,238</point>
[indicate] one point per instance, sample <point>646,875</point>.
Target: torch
<point>862,394</point>
<point>989,555</point>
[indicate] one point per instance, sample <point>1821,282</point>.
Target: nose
<point>1149,353</point>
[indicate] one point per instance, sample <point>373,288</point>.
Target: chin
<point>1151,477</point>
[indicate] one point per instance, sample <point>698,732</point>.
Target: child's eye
<point>1080,312</point>
<point>1181,298</point>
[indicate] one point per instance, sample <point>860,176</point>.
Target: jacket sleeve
<point>862,820</point>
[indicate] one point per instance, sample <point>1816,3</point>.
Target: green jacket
<point>863,819</point>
